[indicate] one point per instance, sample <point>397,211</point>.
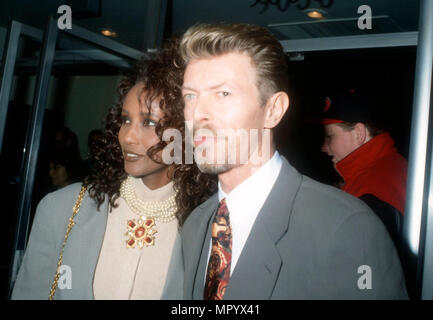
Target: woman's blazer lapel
<point>82,249</point>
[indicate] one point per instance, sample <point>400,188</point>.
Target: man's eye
<point>224,93</point>
<point>188,96</point>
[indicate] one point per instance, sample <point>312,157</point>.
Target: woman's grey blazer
<point>81,251</point>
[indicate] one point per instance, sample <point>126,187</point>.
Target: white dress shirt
<point>132,273</point>
<point>245,202</point>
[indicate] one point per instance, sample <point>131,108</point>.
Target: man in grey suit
<point>269,232</point>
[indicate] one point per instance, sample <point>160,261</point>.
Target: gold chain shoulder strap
<point>68,230</point>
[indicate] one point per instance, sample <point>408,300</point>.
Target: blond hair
<point>265,51</point>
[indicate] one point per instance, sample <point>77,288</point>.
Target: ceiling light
<point>315,13</point>
<point>108,33</point>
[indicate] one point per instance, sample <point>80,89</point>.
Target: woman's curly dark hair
<point>162,77</point>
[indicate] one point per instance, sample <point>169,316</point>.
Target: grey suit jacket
<point>81,252</point>
<point>309,241</point>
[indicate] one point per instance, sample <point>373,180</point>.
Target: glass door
<point>69,82</point>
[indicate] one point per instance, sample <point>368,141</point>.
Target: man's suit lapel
<point>258,267</point>
<point>83,248</point>
<point>202,265</point>
<point>194,274</point>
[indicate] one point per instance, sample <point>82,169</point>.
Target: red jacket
<point>376,168</point>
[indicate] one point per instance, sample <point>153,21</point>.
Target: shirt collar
<point>269,169</point>
<point>246,200</point>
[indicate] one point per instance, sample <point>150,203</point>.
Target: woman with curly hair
<point>122,233</point>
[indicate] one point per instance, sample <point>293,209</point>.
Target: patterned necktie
<point>218,270</point>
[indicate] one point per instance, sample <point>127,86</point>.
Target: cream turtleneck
<point>131,273</point>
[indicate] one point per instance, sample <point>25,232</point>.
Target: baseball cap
<point>346,106</point>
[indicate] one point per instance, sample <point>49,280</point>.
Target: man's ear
<point>361,134</point>
<point>276,107</point>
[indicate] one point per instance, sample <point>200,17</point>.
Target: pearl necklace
<point>162,211</point>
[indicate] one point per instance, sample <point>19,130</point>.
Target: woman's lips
<point>131,156</point>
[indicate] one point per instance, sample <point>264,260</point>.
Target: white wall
<point>87,103</point>
<point>87,100</point>
<point>30,89</point>
<point>85,106</point>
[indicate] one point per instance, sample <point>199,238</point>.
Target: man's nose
<point>201,110</point>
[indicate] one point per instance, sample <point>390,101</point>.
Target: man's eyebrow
<point>188,88</point>
<point>216,86</point>
<point>213,87</point>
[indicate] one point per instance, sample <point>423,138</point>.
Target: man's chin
<point>214,168</point>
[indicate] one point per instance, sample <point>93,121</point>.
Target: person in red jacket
<point>365,156</point>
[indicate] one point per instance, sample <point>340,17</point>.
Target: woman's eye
<point>150,123</point>
<point>125,120</point>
